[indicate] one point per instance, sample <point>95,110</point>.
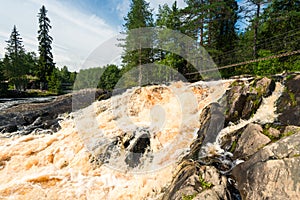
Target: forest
<point>255,37</point>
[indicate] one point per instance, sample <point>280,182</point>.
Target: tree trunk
<point>256,30</point>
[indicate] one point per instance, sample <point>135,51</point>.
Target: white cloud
<point>155,4</point>
<point>123,8</point>
<point>75,34</point>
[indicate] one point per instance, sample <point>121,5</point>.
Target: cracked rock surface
<point>273,172</point>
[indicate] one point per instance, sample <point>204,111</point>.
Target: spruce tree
<point>135,55</point>
<point>14,62</point>
<point>46,64</point>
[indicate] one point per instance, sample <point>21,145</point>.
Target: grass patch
<point>188,197</point>
<point>233,146</point>
<point>266,133</point>
<point>293,99</point>
<point>204,184</point>
<point>288,133</point>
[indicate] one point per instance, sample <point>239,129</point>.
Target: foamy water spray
<point>126,119</point>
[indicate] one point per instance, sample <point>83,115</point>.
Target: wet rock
<point>265,86</point>
<point>211,123</point>
<point>112,150</point>
<point>273,172</point>
<point>274,133</point>
<point>37,115</point>
<point>218,189</point>
<point>197,182</point>
<point>186,182</point>
<point>290,130</point>
<point>288,103</point>
<point>9,128</point>
<point>251,140</point>
<point>137,150</point>
<point>235,100</point>
<point>244,98</point>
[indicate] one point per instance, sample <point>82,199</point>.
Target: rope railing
<point>249,61</point>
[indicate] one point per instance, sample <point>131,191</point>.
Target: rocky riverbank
<point>259,160</point>
<point>25,118</point>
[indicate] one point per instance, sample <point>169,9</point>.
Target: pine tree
<point>135,55</point>
<point>170,18</point>
<point>46,64</point>
<point>14,62</point>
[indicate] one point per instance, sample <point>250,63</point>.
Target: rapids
<point>59,166</point>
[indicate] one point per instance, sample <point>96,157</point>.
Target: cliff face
<point>218,140</point>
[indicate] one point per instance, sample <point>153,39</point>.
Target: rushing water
<point>59,166</point>
<point>10,102</point>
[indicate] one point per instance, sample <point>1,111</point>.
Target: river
<point>10,102</point>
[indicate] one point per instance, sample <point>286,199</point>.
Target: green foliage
<point>3,85</point>
<point>135,53</point>
<point>204,184</point>
<point>88,78</point>
<point>267,67</point>
<point>55,82</point>
<point>233,146</point>
<point>15,65</point>
<point>110,77</point>
<point>188,197</point>
<point>293,99</point>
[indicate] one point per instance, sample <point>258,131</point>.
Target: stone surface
<point>200,182</point>
<point>273,172</point>
<point>244,98</point>
<point>289,103</point>
<point>274,132</point>
<point>234,100</point>
<point>250,141</point>
<point>289,130</point>
<point>30,116</point>
<point>211,123</point>
<point>265,86</point>
<point>137,150</point>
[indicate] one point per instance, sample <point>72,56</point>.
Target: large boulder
<point>251,140</point>
<point>289,103</point>
<point>138,150</point>
<point>273,172</point>
<point>244,98</point>
<point>193,181</point>
<point>211,123</point>
<point>198,181</point>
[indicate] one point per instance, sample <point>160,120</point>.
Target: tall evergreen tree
<point>46,64</point>
<point>139,16</point>
<point>170,18</point>
<point>14,61</point>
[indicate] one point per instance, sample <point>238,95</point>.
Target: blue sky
<point>78,26</point>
